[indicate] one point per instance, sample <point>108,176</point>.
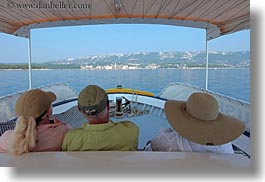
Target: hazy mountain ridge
<point>146,60</point>
<point>225,59</point>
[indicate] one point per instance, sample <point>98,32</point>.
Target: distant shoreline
<point>214,68</point>
<point>144,60</point>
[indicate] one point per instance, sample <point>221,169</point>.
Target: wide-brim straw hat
<point>198,119</point>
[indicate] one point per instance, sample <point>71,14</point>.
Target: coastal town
<point>144,60</point>
<point>129,66</point>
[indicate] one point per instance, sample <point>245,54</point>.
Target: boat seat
<point>72,117</point>
<point>75,119</point>
<point>9,125</point>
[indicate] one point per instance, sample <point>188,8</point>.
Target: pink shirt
<point>50,137</point>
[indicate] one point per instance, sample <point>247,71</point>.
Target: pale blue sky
<point>51,44</point>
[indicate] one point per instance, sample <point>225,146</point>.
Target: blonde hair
<point>24,137</point>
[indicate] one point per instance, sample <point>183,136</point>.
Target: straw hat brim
<point>222,130</point>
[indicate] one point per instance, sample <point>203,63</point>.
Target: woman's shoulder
<point>6,134</point>
<point>4,140</point>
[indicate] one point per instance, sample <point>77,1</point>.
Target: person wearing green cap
<point>99,132</point>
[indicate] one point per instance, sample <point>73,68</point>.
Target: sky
<point>50,44</point>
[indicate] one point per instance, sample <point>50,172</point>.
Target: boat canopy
<point>217,17</point>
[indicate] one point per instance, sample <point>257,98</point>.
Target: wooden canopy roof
<point>218,17</point>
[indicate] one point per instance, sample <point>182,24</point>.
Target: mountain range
<point>153,60</point>
<point>163,59</point>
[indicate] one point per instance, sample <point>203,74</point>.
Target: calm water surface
<point>231,82</point>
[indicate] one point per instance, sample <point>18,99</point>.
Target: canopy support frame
<point>206,64</point>
<point>29,62</point>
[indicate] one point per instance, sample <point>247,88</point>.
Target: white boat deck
<point>119,161</point>
<point>149,124</point>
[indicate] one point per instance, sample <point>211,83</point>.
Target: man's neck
<point>98,121</point>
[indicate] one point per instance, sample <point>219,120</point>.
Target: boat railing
<point>7,103</point>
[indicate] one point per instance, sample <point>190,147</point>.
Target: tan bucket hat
<point>92,99</point>
<point>34,103</point>
<point>199,120</point>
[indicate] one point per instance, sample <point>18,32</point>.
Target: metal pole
<point>29,58</point>
<point>206,69</point>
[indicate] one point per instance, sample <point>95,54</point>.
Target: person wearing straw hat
<point>34,131</point>
<point>198,126</point>
<point>99,132</point>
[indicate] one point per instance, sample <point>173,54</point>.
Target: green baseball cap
<point>92,99</point>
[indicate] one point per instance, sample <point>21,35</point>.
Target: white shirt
<point>169,140</point>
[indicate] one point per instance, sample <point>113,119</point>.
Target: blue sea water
<point>231,82</point>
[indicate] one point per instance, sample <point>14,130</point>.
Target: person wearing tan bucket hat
<point>198,125</point>
<point>34,130</point>
<point>99,132</point>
